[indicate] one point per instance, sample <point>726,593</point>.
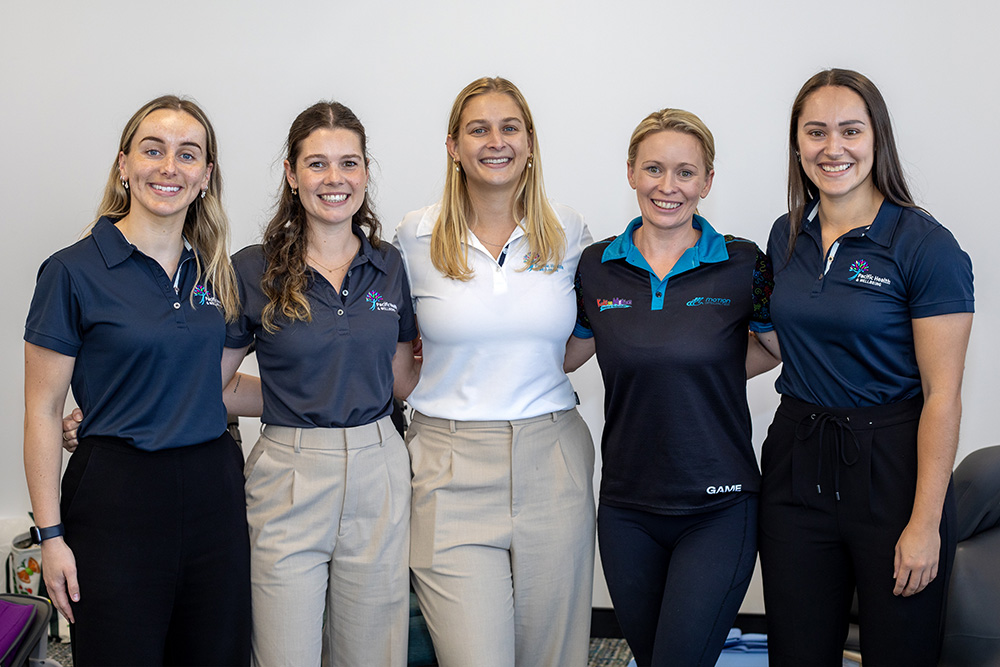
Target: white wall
<point>72,73</point>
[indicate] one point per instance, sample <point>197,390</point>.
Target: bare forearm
<point>243,396</point>
<point>937,442</point>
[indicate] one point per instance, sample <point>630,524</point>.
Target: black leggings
<point>162,553</point>
<point>815,548</point>
<point>677,582</point>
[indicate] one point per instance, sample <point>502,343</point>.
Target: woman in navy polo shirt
<point>669,306</point>
<point>328,482</point>
<point>154,549</point>
<point>873,304</point>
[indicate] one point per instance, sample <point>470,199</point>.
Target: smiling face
<point>166,166</point>
<point>836,142</point>
<point>330,175</point>
<point>669,177</point>
<point>492,143</point>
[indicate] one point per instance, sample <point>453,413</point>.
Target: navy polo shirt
<point>672,354</point>
<point>844,322</point>
<point>148,363</point>
<point>335,371</point>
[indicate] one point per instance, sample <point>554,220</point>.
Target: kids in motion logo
<point>605,304</point>
<point>859,274</point>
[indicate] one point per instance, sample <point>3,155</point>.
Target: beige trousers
<point>502,548</point>
<point>329,530</point>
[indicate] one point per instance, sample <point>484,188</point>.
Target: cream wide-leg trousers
<point>502,538</point>
<point>329,517</point>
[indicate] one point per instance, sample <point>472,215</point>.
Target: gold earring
<point>295,192</point>
<point>530,155</point>
<point>458,168</point>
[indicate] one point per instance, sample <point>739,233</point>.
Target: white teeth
<point>666,204</point>
<point>496,160</point>
<point>841,167</point>
<point>333,199</point>
<point>166,188</point>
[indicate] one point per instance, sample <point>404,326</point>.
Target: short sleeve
<point>763,285</point>
<point>940,277</point>
<point>582,329</point>
<point>239,332</point>
<point>407,322</point>
<point>54,317</point>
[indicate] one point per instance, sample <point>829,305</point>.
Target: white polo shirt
<point>493,346</point>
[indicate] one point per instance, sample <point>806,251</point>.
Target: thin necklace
<point>482,240</point>
<point>328,269</point>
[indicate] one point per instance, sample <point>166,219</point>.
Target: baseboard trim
<point>604,624</point>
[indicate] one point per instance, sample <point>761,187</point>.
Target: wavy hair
<point>285,239</point>
<point>206,226</point>
<point>449,239</point>
<point>887,174</point>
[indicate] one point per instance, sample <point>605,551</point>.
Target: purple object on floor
<point>15,621</point>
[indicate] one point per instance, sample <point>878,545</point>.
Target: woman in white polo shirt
<point>502,528</point>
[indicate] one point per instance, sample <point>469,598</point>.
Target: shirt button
<point>344,292</point>
<point>177,306</point>
<point>340,311</point>
<point>348,273</point>
<point>659,294</point>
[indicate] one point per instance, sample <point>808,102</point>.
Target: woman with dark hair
<point>502,548</point>
<point>669,306</point>
<point>133,317</point>
<point>328,482</point>
<point>873,305</point>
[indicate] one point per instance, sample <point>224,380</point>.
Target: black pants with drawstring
<point>837,491</point>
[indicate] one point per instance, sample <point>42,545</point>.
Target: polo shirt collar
<point>367,251</point>
<point>115,248</point>
<point>709,249</point>
<point>881,231</point>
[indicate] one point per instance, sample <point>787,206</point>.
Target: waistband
<point>123,446</point>
<point>456,425</point>
<point>352,437</point>
<point>859,418</point>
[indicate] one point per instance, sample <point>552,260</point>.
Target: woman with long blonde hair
<point>502,530</point>
<point>148,542</point>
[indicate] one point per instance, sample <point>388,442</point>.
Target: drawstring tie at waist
<point>841,429</point>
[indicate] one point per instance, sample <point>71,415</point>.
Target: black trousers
<point>162,553</point>
<point>837,492</point>
<point>677,581</point>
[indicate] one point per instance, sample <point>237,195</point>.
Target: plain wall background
<point>72,73</point>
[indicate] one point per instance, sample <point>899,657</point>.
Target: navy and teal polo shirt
<point>148,362</point>
<point>335,371</point>
<point>844,321</point>
<point>672,354</point>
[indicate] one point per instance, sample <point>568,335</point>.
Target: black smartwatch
<point>39,535</point>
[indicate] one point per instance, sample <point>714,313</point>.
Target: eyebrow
<point>350,156</point>
<point>840,124</point>
<point>161,141</point>
<point>512,119</point>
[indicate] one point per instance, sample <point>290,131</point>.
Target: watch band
<point>39,535</point>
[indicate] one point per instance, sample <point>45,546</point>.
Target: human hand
<point>916,563</point>
<point>70,424</point>
<point>59,570</point>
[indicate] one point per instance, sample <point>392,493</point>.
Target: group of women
<point>488,507</point>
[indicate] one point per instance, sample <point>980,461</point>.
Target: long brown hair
<point>449,239</point>
<point>887,174</point>
<point>206,226</point>
<point>285,239</point>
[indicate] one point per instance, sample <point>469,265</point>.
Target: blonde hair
<point>677,120</point>
<point>206,226</point>
<point>449,239</point>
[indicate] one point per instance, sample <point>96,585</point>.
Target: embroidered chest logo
<point>379,303</point>
<point>204,297</point>
<point>708,301</point>
<point>531,264</point>
<point>860,274</point>
<point>605,304</point>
